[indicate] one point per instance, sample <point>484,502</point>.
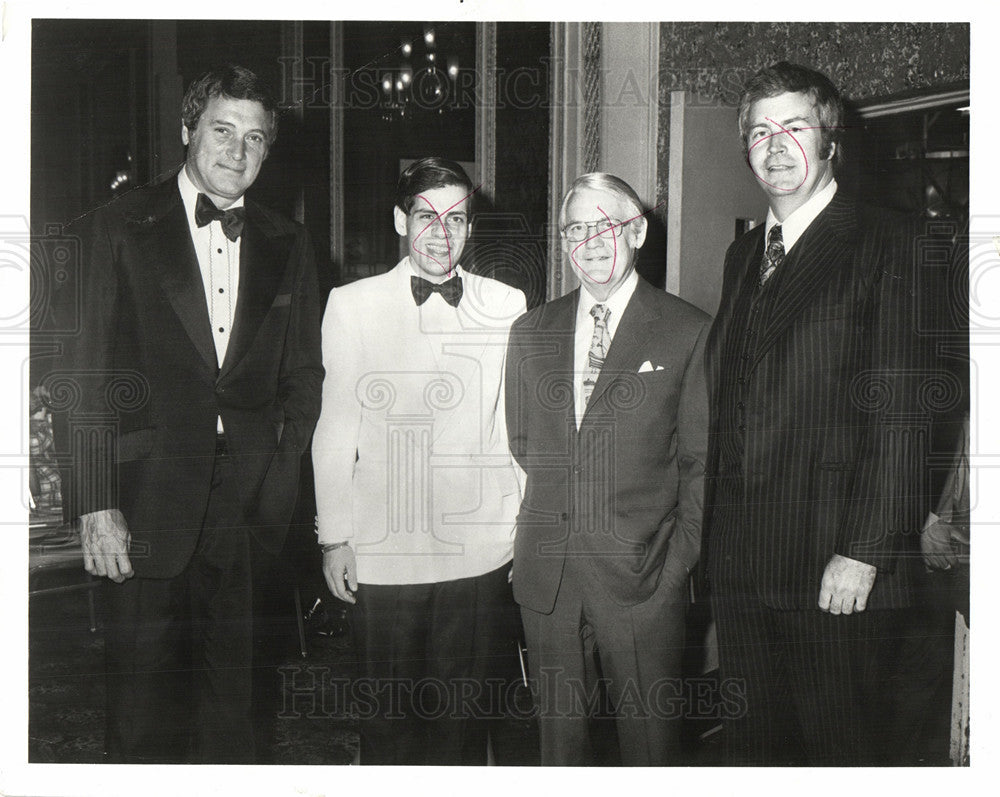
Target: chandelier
<point>425,80</point>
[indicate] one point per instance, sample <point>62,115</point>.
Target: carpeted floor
<point>312,721</point>
<point>311,725</point>
<point>66,691</point>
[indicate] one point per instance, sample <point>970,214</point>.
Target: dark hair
<point>234,82</point>
<point>784,77</point>
<point>428,173</point>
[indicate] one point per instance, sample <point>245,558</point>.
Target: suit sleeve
<point>301,375</point>
<point>884,508</point>
<point>692,452</point>
<point>88,363</point>
<point>335,443</point>
<point>514,396</point>
<point>520,307</point>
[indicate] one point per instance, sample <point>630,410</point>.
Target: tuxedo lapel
<point>165,242</point>
<point>263,260</point>
<point>625,355</point>
<point>824,247</point>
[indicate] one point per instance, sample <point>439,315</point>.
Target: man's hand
<point>845,585</point>
<point>105,540</point>
<point>341,572</point>
<point>935,545</point>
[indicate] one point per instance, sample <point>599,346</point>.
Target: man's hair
<point>602,181</point>
<point>427,174</point>
<point>783,77</point>
<point>234,82</point>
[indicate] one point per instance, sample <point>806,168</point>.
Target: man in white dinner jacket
<point>415,487</point>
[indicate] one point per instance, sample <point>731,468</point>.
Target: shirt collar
<point>616,302</point>
<point>189,194</point>
<point>415,272</point>
<point>798,221</point>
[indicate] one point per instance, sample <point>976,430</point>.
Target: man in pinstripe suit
<point>810,360</point>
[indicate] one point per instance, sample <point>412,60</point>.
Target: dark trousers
<point>179,651</point>
<point>430,657</point>
<point>638,650</point>
<point>800,683</point>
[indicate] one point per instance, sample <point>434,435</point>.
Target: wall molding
<point>336,153</point>
<point>575,75</point>
<point>486,108</point>
<point>925,101</point>
<point>675,191</point>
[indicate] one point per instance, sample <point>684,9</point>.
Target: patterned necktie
<point>450,290</point>
<point>205,212</point>
<point>774,255</point>
<point>599,345</point>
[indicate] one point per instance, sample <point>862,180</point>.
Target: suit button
<point>741,405</point>
<point>564,516</point>
<point>742,427</point>
<point>576,469</point>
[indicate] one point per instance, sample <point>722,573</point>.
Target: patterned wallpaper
<point>864,60</point>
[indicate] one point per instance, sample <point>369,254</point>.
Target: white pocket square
<point>647,366</point>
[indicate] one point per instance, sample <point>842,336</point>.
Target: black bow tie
<point>450,290</point>
<point>205,212</point>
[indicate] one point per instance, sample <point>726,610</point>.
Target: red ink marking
<point>438,220</point>
<point>782,132</point>
<point>614,240</point>
<point>801,149</point>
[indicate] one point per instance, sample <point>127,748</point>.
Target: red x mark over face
<point>785,148</point>
<point>613,233</point>
<point>436,229</point>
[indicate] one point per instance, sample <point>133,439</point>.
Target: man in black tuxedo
<point>200,342</point>
<point>812,484</point>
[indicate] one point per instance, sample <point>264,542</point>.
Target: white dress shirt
<point>797,222</point>
<point>616,303</point>
<point>219,261</point>
<point>437,318</point>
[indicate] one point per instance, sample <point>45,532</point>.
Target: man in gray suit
<point>606,415</point>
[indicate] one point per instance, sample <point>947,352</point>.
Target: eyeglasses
<point>580,230</point>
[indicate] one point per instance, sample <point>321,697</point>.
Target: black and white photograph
<point>473,386</point>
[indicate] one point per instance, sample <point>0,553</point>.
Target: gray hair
<point>602,181</point>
